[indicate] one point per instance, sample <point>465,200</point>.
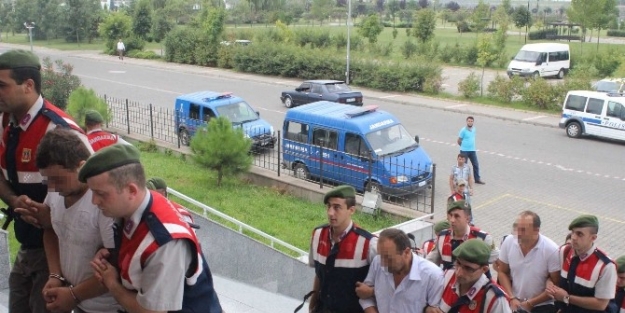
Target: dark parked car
<point>318,90</point>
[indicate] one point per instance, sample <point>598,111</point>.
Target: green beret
<point>156,183</point>
<point>108,158</point>
<point>442,225</point>
<point>584,221</point>
<point>620,264</point>
<point>19,59</point>
<point>342,191</point>
<point>93,117</point>
<point>458,205</point>
<point>473,250</point>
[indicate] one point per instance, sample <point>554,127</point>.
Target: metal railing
<point>401,183</point>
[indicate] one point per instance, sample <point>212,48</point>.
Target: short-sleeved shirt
<point>82,230</point>
<point>468,139</point>
<point>463,172</point>
<point>604,288</point>
<point>530,273</point>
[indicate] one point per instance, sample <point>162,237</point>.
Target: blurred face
<point>469,122</point>
<point>582,239</point>
<point>339,215</point>
<point>113,202</point>
<point>620,280</point>
<point>395,261</point>
<point>461,188</point>
<point>525,229</point>
<point>13,97</point>
<point>461,160</point>
<point>468,273</point>
<point>62,180</point>
<point>458,220</point>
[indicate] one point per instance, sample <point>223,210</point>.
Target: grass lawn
<point>61,44</point>
<point>283,216</point>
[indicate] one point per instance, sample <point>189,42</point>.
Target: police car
<point>194,111</point>
<point>594,113</point>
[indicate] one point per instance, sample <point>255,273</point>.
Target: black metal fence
<point>398,182</point>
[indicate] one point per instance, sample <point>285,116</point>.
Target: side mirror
<point>416,138</point>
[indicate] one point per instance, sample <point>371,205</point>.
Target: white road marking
<point>117,72</point>
<point>391,96</point>
<point>456,106</point>
<point>533,117</point>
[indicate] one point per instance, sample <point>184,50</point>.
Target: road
<point>525,166</point>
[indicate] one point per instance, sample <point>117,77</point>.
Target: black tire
<point>373,186</point>
<point>574,130</point>
<point>536,75</point>
<point>300,171</point>
<point>560,74</point>
<point>288,102</point>
<point>183,136</point>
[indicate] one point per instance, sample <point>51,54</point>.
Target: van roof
<point>594,94</point>
<point>204,97</point>
<point>336,115</point>
<point>546,47</point>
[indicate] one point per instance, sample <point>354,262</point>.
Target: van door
<point>195,120</point>
<point>543,64</point>
<point>325,165</point>
<point>593,117</point>
<point>354,156</point>
<point>553,64</point>
<point>614,121</point>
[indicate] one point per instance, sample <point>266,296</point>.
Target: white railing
<point>302,255</point>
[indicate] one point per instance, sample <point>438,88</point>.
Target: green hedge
<point>616,33</point>
<point>542,34</point>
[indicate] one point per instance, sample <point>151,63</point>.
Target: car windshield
<point>527,56</point>
<point>238,113</point>
<point>339,87</point>
<point>607,86</point>
<point>390,140</point>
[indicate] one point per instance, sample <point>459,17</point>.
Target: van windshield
<point>390,140</point>
<point>238,113</point>
<point>527,56</point>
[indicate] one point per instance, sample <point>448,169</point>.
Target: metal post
<point>30,27</point>
<point>151,123</point>
<point>433,190</point>
<point>320,166</point>
<point>279,164</point>
<point>349,21</point>
<point>108,108</point>
<point>127,116</point>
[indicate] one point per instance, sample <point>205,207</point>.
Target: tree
<point>81,18</point>
<point>370,28</point>
<point>81,100</point>
<point>584,13</point>
<point>116,26</point>
<point>321,9</point>
<point>507,6</point>
<point>425,24</point>
<point>221,148</point>
<point>521,18</point>
<point>501,35</point>
<point>393,7</point>
<point>479,17</point>
<point>160,25</point>
<point>142,20</point>
<point>485,56</point>
<point>608,13</point>
<point>453,6</point>
<point>57,82</point>
<point>424,4</point>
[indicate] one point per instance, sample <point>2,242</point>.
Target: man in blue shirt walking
<point>466,140</point>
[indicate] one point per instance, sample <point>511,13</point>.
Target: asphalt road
<point>525,166</point>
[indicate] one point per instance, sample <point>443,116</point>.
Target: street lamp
<point>349,22</point>
<point>30,33</point>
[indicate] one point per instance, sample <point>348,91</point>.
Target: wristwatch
<point>566,299</point>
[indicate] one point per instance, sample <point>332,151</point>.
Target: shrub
<point>540,94</point>
<point>57,81</point>
<point>447,54</point>
<point>606,63</point>
<point>616,33</point>
<point>463,27</point>
<point>394,33</point>
<point>541,34</point>
<point>503,89</point>
<point>149,55</point>
<point>470,86</point>
<point>83,99</point>
<point>408,49</point>
<point>470,54</point>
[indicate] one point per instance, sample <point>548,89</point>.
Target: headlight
<point>399,179</point>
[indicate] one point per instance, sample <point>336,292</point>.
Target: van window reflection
<point>390,140</point>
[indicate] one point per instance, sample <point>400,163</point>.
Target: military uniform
<point>99,138</point>
<point>620,290</point>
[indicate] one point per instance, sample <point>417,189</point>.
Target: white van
<point>594,113</point>
<point>541,60</point>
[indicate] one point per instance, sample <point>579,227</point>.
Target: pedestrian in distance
<point>466,141</point>
<point>341,253</point>
<point>160,266</point>
<point>461,170</point>
<point>121,49</point>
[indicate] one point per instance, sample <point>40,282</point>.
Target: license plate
<point>350,99</point>
<point>421,184</point>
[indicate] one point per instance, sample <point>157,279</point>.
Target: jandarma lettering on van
<point>380,124</point>
<point>296,148</point>
<point>614,125</point>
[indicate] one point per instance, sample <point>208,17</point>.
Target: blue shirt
<point>422,287</point>
<point>468,139</point>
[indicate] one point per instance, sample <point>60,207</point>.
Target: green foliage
<point>485,54</point>
<point>616,33</point>
<point>320,9</point>
<point>470,54</point>
<point>470,86</point>
<point>139,54</point>
<point>522,17</point>
<point>142,20</point>
<point>505,90</point>
<point>181,44</point>
<point>160,25</point>
<point>115,26</point>
<point>425,24</point>
<point>83,99</point>
<point>57,81</point>
<point>81,19</point>
<point>540,94</point>
<point>286,34</point>
<point>221,148</point>
<point>370,28</point>
<point>480,16</point>
<point>606,63</point>
<point>541,34</point>
<point>394,33</point>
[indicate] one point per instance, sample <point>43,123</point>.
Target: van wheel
<point>184,138</point>
<point>300,171</point>
<point>288,102</point>
<point>561,73</point>
<point>373,187</point>
<point>536,75</point>
<point>574,130</point>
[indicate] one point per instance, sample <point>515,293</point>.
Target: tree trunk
<point>598,33</point>
<point>590,38</point>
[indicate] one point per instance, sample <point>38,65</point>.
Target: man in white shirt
<point>403,281</point>
<point>120,49</point>
<point>526,262</point>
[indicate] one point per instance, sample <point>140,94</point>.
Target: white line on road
<point>533,117</point>
<point>456,106</point>
<point>117,72</point>
<point>270,110</point>
<point>130,85</point>
<point>391,96</point>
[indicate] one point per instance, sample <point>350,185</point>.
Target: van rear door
<point>614,121</point>
<point>324,154</point>
<point>594,116</point>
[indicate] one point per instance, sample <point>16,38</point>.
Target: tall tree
<point>507,6</point>
<point>584,13</point>
<point>320,9</point>
<point>480,16</point>
<point>116,25</point>
<point>425,24</point>
<point>142,19</point>
<point>370,28</point>
<point>607,14</point>
<point>424,4</point>
<point>521,17</point>
<point>453,6</point>
<point>80,17</point>
<point>393,7</point>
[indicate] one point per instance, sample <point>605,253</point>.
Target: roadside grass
<point>61,44</point>
<point>272,211</point>
<point>517,105</point>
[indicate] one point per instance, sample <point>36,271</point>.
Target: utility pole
<point>349,22</point>
<point>30,33</point>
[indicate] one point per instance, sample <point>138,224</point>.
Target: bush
<point>180,45</point>
<point>469,54</point>
<point>541,95</point>
<point>83,99</point>
<point>57,81</point>
<point>447,54</point>
<point>470,86</point>
<point>616,33</point>
<point>408,49</point>
<point>463,27</point>
<point>606,63</point>
<point>149,54</point>
<point>503,89</point>
<point>541,34</point>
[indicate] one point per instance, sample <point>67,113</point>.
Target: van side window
<point>297,132</point>
<point>595,106</point>
<point>543,57</point>
<point>194,112</point>
<point>554,56</point>
<point>576,103</point>
<point>563,56</point>
<point>355,145</point>
<point>325,138</point>
<point>316,88</point>
<point>207,114</point>
<point>615,109</point>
